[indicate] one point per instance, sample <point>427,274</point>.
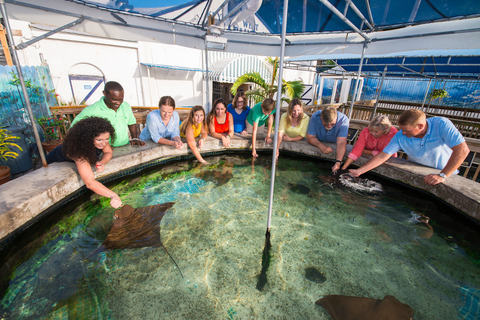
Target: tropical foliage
<point>6,145</point>
<point>266,88</point>
<point>438,94</point>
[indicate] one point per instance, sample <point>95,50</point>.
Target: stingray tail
<point>174,262</point>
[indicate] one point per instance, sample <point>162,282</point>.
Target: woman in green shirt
<point>293,124</point>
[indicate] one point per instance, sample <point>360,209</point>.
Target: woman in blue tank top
<point>239,111</point>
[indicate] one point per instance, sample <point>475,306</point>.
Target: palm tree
<point>263,89</point>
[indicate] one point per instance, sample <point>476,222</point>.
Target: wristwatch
<point>443,175</point>
<point>338,161</point>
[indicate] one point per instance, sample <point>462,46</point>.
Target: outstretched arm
<point>340,152</point>
<point>88,178</point>
<point>457,157</point>
<point>372,164</point>
<point>193,145</point>
<point>315,142</point>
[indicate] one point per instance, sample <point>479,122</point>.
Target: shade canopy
<point>315,27</point>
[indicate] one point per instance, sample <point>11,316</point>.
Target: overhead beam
<point>359,14</point>
<point>367,2</point>
<point>344,19</point>
<point>218,10</point>
<point>48,34</point>
<point>232,12</point>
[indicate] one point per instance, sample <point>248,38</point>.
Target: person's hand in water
<point>354,173</point>
<point>115,201</point>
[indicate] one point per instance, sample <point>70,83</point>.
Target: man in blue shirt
<point>331,126</point>
<point>433,142</point>
<point>163,125</point>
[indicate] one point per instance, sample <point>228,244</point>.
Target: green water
<point>362,246</point>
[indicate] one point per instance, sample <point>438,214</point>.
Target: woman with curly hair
<point>83,144</point>
<point>193,127</point>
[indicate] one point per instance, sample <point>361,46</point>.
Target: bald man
<point>432,142</point>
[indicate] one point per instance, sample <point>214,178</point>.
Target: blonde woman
<point>373,139</point>
<point>193,127</point>
<point>293,124</point>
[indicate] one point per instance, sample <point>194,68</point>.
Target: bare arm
<point>315,142</point>
<point>193,144</point>
<point>88,178</point>
<point>107,155</point>
<point>134,134</point>
<point>279,141</point>
<point>457,157</point>
<point>347,163</point>
<point>254,138</point>
<point>371,164</point>
<point>211,127</point>
<point>270,125</point>
<point>230,125</point>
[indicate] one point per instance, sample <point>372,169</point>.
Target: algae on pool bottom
<point>361,245</point>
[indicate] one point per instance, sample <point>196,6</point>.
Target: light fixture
<point>215,42</point>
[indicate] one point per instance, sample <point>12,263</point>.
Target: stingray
<point>217,177</point>
<point>360,308</point>
<point>314,275</point>
<point>299,188</point>
<point>137,228</point>
<point>363,186</point>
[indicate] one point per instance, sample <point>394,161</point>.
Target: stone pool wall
<point>24,198</point>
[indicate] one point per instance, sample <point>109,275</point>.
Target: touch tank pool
<point>196,253</point>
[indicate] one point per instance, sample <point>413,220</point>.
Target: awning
<point>230,69</point>
<point>439,63</point>
<point>164,66</point>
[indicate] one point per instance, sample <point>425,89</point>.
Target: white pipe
<point>277,113</point>
<point>358,79</point>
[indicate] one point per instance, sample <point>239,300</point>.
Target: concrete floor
<point>27,196</point>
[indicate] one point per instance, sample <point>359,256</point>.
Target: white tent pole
<point>16,62</point>
<point>358,79</point>
<point>277,112</point>
<point>207,80</point>
<point>379,92</point>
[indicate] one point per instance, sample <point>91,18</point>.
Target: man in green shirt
<point>119,113</point>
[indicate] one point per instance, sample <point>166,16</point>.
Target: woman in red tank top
<point>220,122</point>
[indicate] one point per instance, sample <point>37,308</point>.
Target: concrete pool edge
<point>26,197</point>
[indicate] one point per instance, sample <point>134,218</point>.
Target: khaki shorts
<point>261,129</point>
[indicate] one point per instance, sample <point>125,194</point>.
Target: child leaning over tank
<point>373,139</point>
<point>195,126</point>
<point>256,121</point>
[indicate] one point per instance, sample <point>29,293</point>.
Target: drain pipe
<point>277,113</point>
<point>16,62</point>
<point>358,80</point>
<point>379,91</point>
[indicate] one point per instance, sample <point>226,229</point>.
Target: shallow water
<point>360,245</point>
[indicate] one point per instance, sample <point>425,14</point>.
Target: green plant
<point>438,94</point>
<point>263,89</point>
<point>6,145</point>
<point>54,127</point>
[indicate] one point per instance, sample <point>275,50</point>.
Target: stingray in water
<point>360,308</point>
<point>137,228</point>
<point>363,186</point>
<point>299,188</point>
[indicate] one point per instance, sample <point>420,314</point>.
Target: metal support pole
<point>277,112</point>
<point>358,79</point>
<point>48,34</point>
<point>207,80</point>
<point>379,92</point>
<point>16,62</point>
<point>426,93</point>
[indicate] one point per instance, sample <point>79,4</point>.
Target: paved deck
<point>24,198</point>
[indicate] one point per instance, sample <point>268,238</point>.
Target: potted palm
<point>6,151</point>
